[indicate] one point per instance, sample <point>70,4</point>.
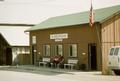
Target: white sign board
<point>59,36</point>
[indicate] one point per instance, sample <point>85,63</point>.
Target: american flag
<point>91,15</point>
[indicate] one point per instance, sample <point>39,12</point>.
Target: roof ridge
<point>77,18</point>
<point>83,11</point>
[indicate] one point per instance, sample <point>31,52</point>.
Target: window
<point>116,51</point>
<point>111,51</point>
<point>59,50</point>
<point>73,50</point>
<point>23,50</point>
<point>33,39</point>
<point>18,50</point>
<point>27,50</point>
<point>47,50</point>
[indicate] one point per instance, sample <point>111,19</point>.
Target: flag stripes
<point>91,15</point>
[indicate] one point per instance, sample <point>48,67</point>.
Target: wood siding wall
<point>24,59</point>
<point>82,35</point>
<point>4,46</point>
<point>110,37</point>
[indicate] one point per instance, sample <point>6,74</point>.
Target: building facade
<point>5,52</point>
<point>73,35</point>
<point>110,32</point>
<point>74,42</point>
<point>18,41</point>
<point>21,55</point>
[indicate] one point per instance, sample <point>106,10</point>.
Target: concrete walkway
<point>31,73</point>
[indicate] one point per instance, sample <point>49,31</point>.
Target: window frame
<point>47,50</point>
<point>71,53</point>
<point>34,39</point>
<point>116,51</point>
<point>59,51</point>
<point>112,51</point>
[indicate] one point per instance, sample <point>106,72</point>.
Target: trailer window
<point>111,51</point>
<point>116,51</point>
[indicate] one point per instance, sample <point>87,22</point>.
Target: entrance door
<point>33,54</point>
<point>92,61</point>
<point>8,56</point>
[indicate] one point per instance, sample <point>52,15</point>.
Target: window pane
<point>116,51</point>
<point>33,39</point>
<point>111,51</point>
<point>73,50</point>
<point>23,49</point>
<point>27,50</point>
<point>70,50</point>
<point>47,50</point>
<point>59,50</point>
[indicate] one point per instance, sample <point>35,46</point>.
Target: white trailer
<point>114,59</point>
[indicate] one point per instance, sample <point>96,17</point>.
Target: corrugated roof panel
<point>77,18</point>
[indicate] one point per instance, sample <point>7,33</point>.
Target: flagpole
<point>91,23</point>
<point>97,30</point>
<point>91,2</point>
<point>99,38</point>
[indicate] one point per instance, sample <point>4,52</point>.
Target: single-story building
<point>5,52</point>
<point>21,55</point>
<point>18,41</point>
<point>73,38</point>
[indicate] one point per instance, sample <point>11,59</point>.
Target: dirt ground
<point>47,74</point>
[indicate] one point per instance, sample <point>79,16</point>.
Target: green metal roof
<point>77,18</point>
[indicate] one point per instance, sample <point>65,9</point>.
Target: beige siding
<point>110,37</point>
<point>117,31</point>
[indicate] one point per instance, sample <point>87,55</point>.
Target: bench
<point>44,62</point>
<point>71,63</point>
